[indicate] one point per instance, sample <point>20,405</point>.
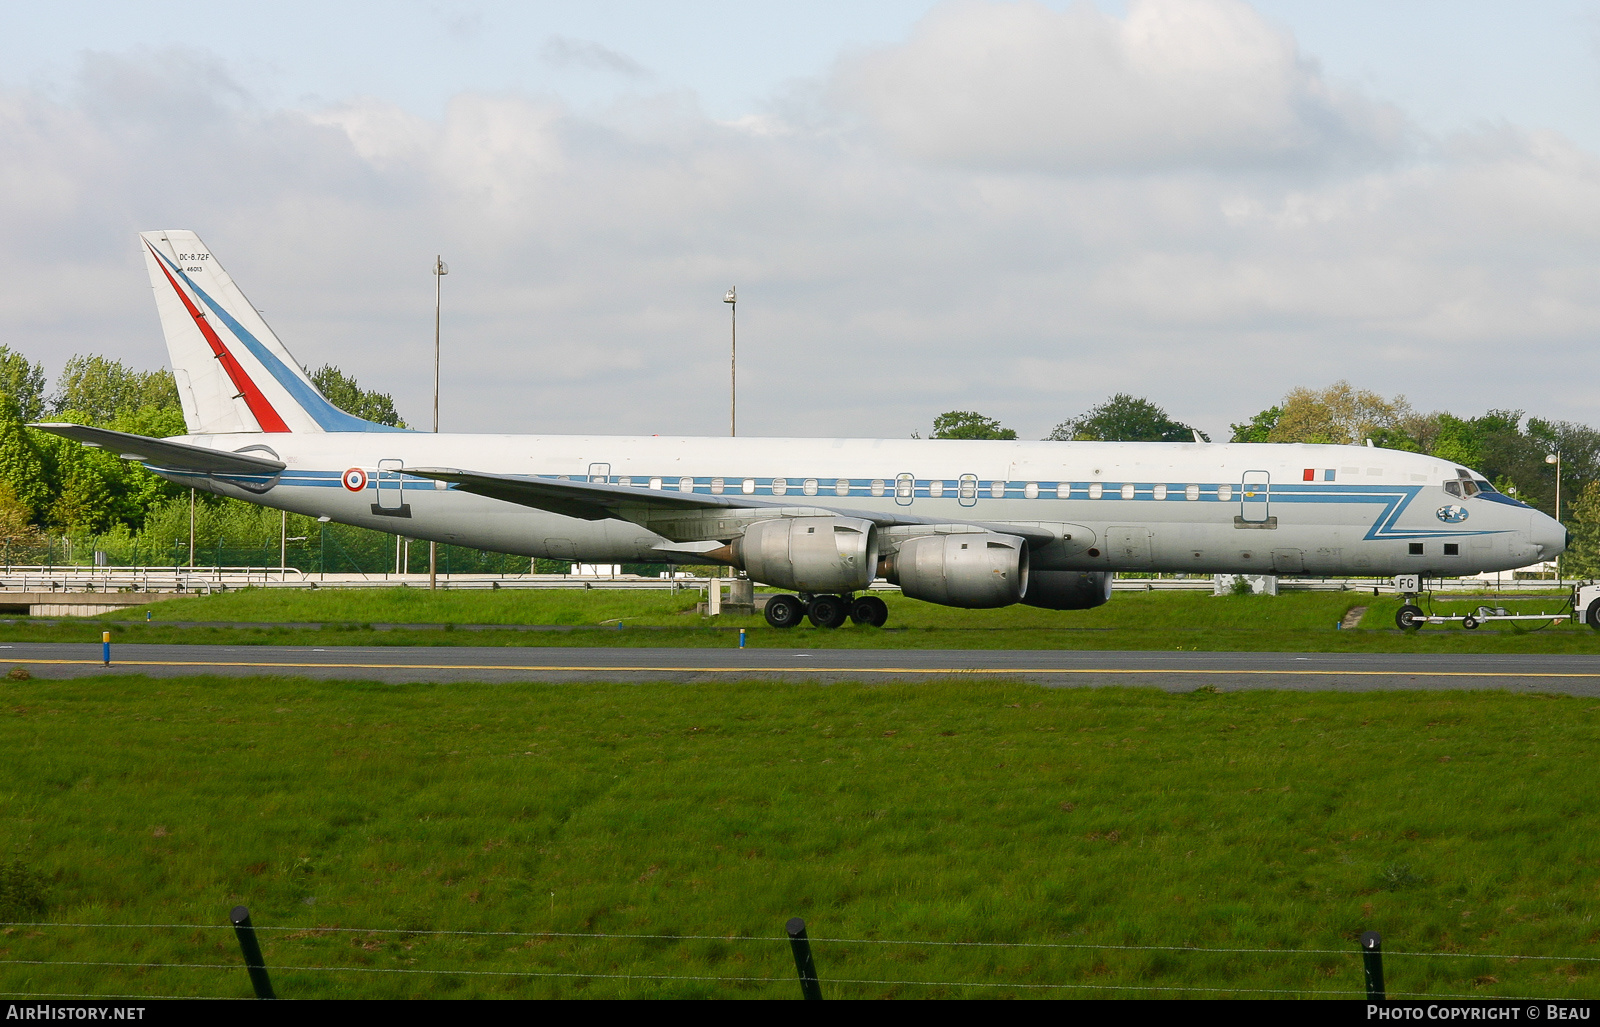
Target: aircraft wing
<point>173,456</point>
<point>593,501</point>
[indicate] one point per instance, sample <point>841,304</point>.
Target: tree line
<point>1512,449</point>
<point>54,488</point>
<point>55,492</point>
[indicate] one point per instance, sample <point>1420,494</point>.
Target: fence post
<point>1372,962</point>
<point>252,952</point>
<point>809,988</point>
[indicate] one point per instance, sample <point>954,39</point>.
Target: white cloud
<point>590,252</point>
<point>1174,84</point>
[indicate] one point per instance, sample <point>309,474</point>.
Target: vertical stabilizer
<point>233,373</point>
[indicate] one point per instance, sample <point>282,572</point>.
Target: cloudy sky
<point>1018,208</point>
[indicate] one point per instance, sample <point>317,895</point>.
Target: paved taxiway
<point>1174,671</point>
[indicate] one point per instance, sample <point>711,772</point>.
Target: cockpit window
<point>1484,486</point>
<point>1469,489</point>
<point>1454,488</point>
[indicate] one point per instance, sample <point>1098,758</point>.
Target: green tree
<point>23,382</point>
<point>96,390</point>
<point>347,394</point>
<point>1258,428</point>
<point>1123,418</point>
<point>24,469</point>
<point>1582,560</point>
<point>1339,415</point>
<point>969,424</point>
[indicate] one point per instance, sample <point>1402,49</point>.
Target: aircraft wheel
<point>1591,616</point>
<point>1409,618</point>
<point>784,611</point>
<point>869,611</point>
<point>1469,622</point>
<point>827,611</point>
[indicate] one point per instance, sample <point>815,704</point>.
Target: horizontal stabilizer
<point>173,456</point>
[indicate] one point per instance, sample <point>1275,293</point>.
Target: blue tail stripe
<point>328,417</point>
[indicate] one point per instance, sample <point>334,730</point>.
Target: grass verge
<point>1296,622</point>
<point>961,812</point>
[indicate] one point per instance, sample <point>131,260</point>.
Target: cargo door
<point>905,488</point>
<point>1288,561</point>
<point>1128,545</point>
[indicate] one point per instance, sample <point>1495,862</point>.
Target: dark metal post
<point>809,987</point>
<point>1372,961</point>
<point>252,952</point>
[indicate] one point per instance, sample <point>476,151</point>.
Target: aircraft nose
<point>1550,536</point>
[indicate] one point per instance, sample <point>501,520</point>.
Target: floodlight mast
<point>440,269</point>
<point>1555,458</point>
<point>732,299</point>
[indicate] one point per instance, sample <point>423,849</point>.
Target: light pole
<point>1555,458</point>
<point>440,269</point>
<point>732,299</point>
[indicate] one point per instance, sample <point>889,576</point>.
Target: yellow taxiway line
<point>998,671</point>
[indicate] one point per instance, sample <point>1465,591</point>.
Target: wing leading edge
<point>657,508</point>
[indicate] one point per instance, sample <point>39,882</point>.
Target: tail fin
<point>233,374</point>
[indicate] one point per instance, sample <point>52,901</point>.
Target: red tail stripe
<point>259,405</point>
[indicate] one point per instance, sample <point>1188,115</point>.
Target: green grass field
<point>971,812</point>
<point>1299,621</point>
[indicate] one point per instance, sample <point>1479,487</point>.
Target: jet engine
<point>973,570</point>
<point>810,554</point>
<point>1068,590</point>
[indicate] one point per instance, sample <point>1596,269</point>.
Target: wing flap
<point>164,453</point>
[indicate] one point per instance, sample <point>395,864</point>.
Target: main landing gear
<point>826,611</point>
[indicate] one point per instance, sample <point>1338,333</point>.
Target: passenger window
<point>841,487</point>
<point>655,483</point>
<point>877,486</point>
<point>780,486</point>
<point>1064,490</point>
<point>1191,492</point>
<point>624,481</point>
<point>1224,493</point>
<point>1030,490</point>
<point>1159,492</point>
<point>685,484</point>
<point>936,488</point>
<point>748,486</point>
<point>1454,488</point>
<point>1127,492</point>
<point>969,486</point>
<point>810,487</point>
<point>997,490</point>
<point>717,485</point>
<point>1096,490</point>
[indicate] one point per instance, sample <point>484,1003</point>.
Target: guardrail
<point>217,579</point>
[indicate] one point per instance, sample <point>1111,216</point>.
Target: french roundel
<point>355,479</point>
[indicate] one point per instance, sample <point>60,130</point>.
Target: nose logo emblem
<point>1451,514</point>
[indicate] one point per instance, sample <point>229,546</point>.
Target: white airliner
<point>971,524</point>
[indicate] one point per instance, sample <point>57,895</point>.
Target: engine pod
<point>810,554</point>
<point>1068,590</point>
<point>973,570</point>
